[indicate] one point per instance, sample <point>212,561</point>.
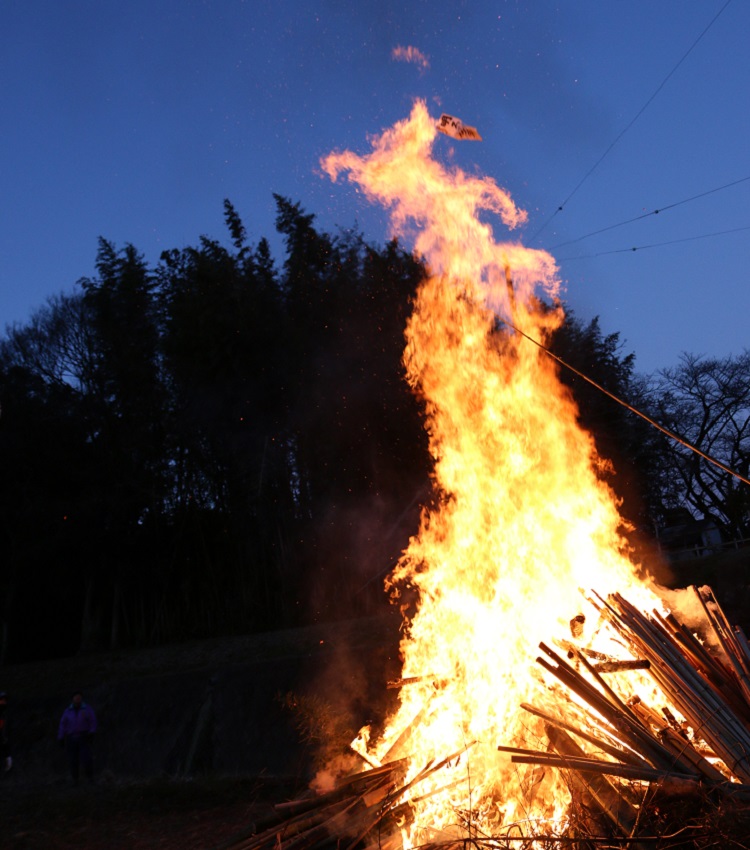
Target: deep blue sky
<point>135,120</point>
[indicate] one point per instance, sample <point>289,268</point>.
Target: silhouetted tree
<point>126,413</point>
<point>706,402</point>
<point>224,340</point>
<point>46,508</point>
<point>351,413</point>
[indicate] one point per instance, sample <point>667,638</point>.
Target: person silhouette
<point>75,733</point>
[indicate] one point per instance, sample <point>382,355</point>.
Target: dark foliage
<point>706,403</point>
<point>215,446</point>
<point>210,446</point>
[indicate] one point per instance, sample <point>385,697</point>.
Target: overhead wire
<point>627,405</point>
<point>648,214</point>
<point>631,122</point>
<point>654,244</point>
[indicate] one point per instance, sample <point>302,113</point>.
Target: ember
<point>523,520</point>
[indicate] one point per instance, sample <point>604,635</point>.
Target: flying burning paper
<point>456,129</point>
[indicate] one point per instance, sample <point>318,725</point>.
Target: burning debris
<point>456,129</point>
<point>629,708</point>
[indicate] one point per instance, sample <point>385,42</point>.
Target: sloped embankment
<point>250,705</point>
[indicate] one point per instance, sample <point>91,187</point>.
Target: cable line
<point>653,212</point>
<point>654,244</point>
<point>632,121</point>
<point>628,406</point>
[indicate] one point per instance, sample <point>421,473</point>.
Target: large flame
<point>523,520</point>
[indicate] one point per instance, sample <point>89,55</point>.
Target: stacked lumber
<point>365,811</point>
<point>707,680</point>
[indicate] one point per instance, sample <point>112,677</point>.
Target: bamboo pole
<point>621,718</point>
<point>725,636</point>
<point>625,755</point>
<point>696,697</point>
<point>666,656</point>
<point>397,746</point>
<point>711,723</point>
<point>368,776</point>
<point>609,798</point>
<point>588,765</point>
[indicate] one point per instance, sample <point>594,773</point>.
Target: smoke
<point>356,544</point>
<point>348,691</point>
<point>686,606</point>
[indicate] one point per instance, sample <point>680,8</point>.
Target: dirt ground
<point>206,814</point>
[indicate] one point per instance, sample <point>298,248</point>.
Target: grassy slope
<point>159,812</point>
<point>44,678</point>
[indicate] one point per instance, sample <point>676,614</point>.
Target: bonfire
<point>552,694</point>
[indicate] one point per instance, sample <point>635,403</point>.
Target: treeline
<point>212,446</point>
<point>216,445</point>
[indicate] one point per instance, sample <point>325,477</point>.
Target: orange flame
<point>523,519</point>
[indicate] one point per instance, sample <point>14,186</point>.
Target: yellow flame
<point>523,520</point>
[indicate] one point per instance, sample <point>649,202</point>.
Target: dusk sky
<point>133,121</point>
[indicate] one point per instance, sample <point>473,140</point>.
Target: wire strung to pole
<point>628,406</point>
<point>646,215</point>
<point>632,121</point>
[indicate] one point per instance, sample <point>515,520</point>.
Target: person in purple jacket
<point>75,733</point>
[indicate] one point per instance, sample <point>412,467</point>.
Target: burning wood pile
<point>633,733</point>
<point>637,775</point>
<point>645,755</point>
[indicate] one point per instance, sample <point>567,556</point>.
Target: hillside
<point>194,739</point>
